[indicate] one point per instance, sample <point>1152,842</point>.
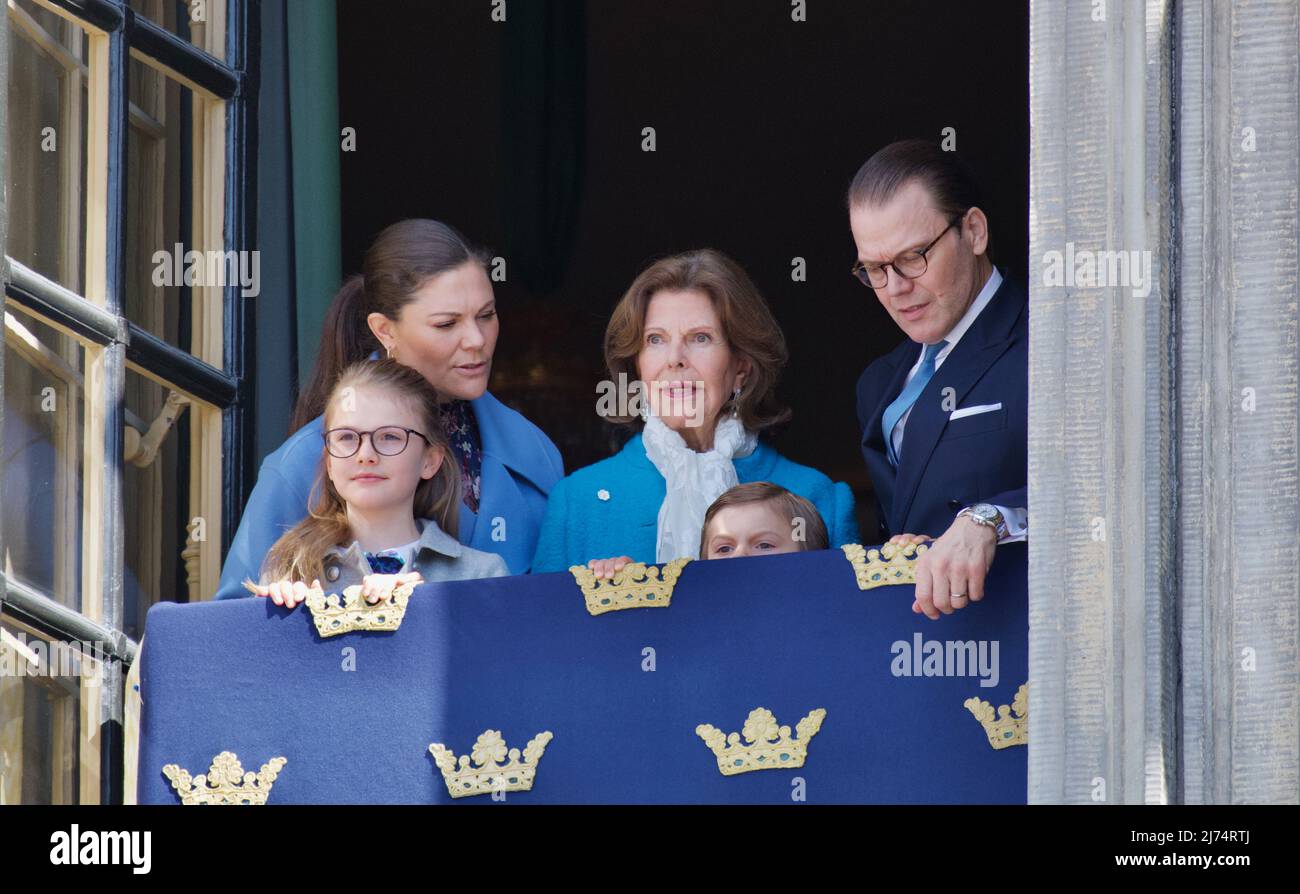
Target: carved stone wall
<point>1165,532</point>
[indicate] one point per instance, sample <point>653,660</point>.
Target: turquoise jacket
<point>582,525</point>
<point>520,466</point>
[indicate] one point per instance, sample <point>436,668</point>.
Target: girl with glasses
<point>423,298</point>
<point>385,505</point>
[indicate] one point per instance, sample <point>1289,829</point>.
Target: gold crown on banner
<point>770,746</point>
<point>885,567</point>
<point>226,783</point>
<point>1004,729</point>
<point>491,771</point>
<point>636,586</point>
<point>333,616</point>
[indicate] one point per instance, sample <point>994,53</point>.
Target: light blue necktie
<point>895,411</point>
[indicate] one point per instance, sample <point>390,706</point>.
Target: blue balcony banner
<point>621,693</point>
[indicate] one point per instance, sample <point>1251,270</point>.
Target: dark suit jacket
<point>948,465</point>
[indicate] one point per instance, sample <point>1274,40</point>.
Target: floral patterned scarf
<point>462,433</point>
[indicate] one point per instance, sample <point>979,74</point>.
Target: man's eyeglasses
<point>387,441</point>
<point>910,264</point>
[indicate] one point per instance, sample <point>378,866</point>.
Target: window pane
<point>43,443</point>
<point>40,720</point>
<point>201,22</point>
<point>47,143</point>
<point>174,262</point>
<point>156,488</point>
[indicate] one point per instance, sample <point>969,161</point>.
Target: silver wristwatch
<point>986,514</point>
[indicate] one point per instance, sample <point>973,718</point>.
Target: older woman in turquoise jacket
<point>693,354</point>
<point>424,299</point>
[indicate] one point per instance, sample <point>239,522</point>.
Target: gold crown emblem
<point>885,567</point>
<point>1003,729</point>
<point>636,586</point>
<point>333,616</point>
<point>226,783</point>
<point>770,746</point>
<point>491,771</point>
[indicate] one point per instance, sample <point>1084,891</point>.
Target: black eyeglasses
<point>387,441</point>
<point>910,264</point>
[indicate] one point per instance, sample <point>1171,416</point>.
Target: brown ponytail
<point>401,259</point>
<point>345,338</point>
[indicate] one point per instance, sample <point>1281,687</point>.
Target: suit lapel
<point>873,439</point>
<point>988,338</point>
<point>960,371</point>
<point>514,444</point>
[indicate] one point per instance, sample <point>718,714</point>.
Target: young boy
<point>760,519</point>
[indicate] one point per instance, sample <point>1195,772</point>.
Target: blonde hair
<point>786,504</point>
<point>300,553</point>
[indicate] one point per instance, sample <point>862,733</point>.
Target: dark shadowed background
<point>527,135</point>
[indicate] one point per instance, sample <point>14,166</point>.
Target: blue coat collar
<point>509,439</point>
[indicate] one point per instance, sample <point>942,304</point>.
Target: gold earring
<point>389,349</point>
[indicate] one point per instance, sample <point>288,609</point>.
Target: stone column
<point>1164,568</point>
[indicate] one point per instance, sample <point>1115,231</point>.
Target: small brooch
<point>602,494</point>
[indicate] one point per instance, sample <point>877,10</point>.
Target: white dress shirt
<point>1017,517</point>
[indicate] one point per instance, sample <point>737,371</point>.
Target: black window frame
<point>234,80</point>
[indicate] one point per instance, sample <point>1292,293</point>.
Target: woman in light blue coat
<point>424,299</point>
<point>693,354</point>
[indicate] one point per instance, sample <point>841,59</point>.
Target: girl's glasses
<point>387,441</point>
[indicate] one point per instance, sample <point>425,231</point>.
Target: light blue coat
<point>582,525</point>
<point>520,466</point>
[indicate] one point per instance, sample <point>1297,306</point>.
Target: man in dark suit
<point>944,415</point>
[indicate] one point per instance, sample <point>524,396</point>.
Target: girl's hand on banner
<point>376,588</point>
<point>288,593</point>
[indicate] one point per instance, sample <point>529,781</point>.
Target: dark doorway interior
<point>528,136</point>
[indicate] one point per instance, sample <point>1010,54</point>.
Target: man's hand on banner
<point>950,574</point>
<point>905,539</point>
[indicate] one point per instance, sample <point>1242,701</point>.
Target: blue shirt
<point>520,466</point>
<point>611,508</point>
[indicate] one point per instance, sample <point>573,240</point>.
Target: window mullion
<point>180,59</point>
<point>57,621</point>
<point>101,15</point>
<point>240,42</point>
<point>4,267</point>
<point>106,395</point>
<point>82,317</point>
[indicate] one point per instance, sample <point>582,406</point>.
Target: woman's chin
<point>461,387</point>
<point>683,422</point>
<point>692,429</point>
<point>676,423</point>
